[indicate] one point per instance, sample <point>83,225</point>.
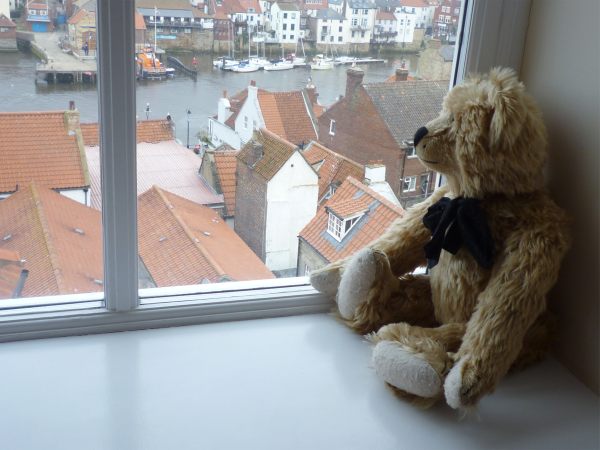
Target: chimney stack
<point>435,43</point>
<point>72,119</point>
<point>354,78</point>
<point>253,83</point>
<point>401,74</point>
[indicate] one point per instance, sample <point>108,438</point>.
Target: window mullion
<point>116,87</point>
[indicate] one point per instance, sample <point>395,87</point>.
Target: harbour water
<point>177,95</point>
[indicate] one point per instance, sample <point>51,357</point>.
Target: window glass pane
<point>239,153</point>
<point>50,221</point>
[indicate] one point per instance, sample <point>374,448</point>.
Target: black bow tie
<point>456,222</point>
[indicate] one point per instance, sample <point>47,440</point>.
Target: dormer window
<point>339,228</point>
<point>332,127</point>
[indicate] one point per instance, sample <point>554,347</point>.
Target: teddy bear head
<point>489,137</point>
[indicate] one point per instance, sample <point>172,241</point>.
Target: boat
<point>281,64</point>
<point>149,66</point>
<point>225,63</point>
<point>320,62</point>
<point>170,72</point>
<point>244,67</point>
<point>259,61</point>
<point>356,60</point>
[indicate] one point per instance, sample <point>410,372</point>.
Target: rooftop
<point>287,6</point>
<point>329,14</point>
<point>350,198</point>
<point>415,3</point>
<point>11,270</point>
<point>332,167</point>
<point>38,146</point>
<point>147,131</point>
<point>182,243</point>
<point>58,238</point>
<point>362,4</point>
<point>6,22</point>
<point>225,164</point>
<point>408,105</point>
<point>166,164</point>
<point>385,15</point>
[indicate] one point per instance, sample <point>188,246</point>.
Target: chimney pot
<point>401,74</point>
<point>253,83</point>
<point>354,78</point>
<point>71,105</point>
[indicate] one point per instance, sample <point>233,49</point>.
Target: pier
<point>177,64</point>
<point>58,66</point>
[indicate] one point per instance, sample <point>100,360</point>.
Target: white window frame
<point>412,183</point>
<point>493,34</point>
<point>332,127</point>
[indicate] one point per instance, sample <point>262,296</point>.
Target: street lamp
<point>188,128</point>
<point>147,111</point>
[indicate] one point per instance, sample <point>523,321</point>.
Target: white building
<point>285,22</point>
<point>337,5</point>
<point>328,27</point>
<point>5,7</point>
<point>289,114</point>
<point>361,17</point>
<point>406,24</point>
<point>270,222</point>
<point>423,12</point>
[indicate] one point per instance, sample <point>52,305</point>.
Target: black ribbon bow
<point>456,222</point>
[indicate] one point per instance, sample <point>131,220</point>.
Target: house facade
<point>82,31</point>
<point>39,16</point>
<point>328,27</point>
<point>445,20</point>
<point>276,196</point>
<point>361,18</point>
<point>285,22</point>
<point>423,11</point>
<point>376,123</point>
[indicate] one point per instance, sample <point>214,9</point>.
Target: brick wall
<point>308,256</point>
<point>250,208</point>
<point>362,135</point>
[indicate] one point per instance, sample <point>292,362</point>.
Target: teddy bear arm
<point>513,299</point>
<point>404,240</point>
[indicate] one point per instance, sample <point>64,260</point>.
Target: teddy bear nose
<point>420,134</point>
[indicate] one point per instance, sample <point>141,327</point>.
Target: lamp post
<point>147,111</point>
<point>188,128</point>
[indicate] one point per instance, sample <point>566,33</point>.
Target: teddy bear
<point>492,240</point>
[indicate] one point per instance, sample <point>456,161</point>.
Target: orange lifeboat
<point>149,66</point>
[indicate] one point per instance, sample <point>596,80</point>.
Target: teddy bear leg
<point>415,360</point>
<point>368,303</point>
<point>537,342</point>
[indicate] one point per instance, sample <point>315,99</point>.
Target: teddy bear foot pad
<point>405,370</point>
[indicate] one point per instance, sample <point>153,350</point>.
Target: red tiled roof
<point>36,146</point>
<point>385,15</point>
<point>225,164</point>
<point>59,239</point>
<point>139,21</point>
<point>275,152</point>
<point>6,22</point>
<point>10,272</point>
<point>183,243</point>
<point>381,213</point>
<point>414,3</point>
<point>166,164</point>
<point>250,4</point>
<point>315,6</point>
<point>334,168</point>
<point>79,15</point>
<point>349,207</point>
<point>285,114</point>
<point>147,131</point>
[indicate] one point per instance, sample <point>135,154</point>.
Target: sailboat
<point>321,62</point>
<point>281,64</point>
<point>248,65</point>
<point>298,61</point>
<point>227,62</point>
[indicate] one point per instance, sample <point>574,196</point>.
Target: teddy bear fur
<point>458,330</point>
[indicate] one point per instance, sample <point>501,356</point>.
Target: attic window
<point>339,228</point>
<point>332,127</point>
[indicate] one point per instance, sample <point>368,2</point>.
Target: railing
<point>174,23</point>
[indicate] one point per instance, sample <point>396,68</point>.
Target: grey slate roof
<point>336,2</point>
<point>387,5</point>
<point>447,52</point>
<point>329,14</point>
<point>166,13</point>
<point>362,4</point>
<point>286,6</point>
<point>405,106</point>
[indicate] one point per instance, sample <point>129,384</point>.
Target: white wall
<point>561,69</point>
<point>333,29</point>
<point>5,8</point>
<point>366,21</point>
<point>249,118</point>
<point>79,195</point>
<point>222,134</point>
<point>289,18</point>
<point>405,27</point>
<point>292,196</point>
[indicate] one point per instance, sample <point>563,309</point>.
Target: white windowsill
<point>301,382</point>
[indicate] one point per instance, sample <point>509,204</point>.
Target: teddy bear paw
<point>326,280</point>
<point>356,282</point>
<point>405,370</point>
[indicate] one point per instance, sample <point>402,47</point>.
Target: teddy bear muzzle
<point>420,134</point>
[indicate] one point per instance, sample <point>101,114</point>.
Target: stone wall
<point>250,208</point>
<point>198,40</point>
<point>8,44</point>
<point>308,257</point>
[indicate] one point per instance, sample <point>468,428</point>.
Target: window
<point>293,15</point>
<point>285,26</point>
<point>424,181</point>
<point>362,34</point>
<point>330,38</point>
<point>323,38</point>
<point>365,11</point>
<point>339,228</point>
<point>354,22</point>
<point>246,122</point>
<point>291,37</point>
<point>285,15</point>
<point>410,184</point>
<point>293,27</point>
<point>119,110</point>
<point>306,270</point>
<point>340,29</point>
<point>284,37</point>
<point>411,152</point>
<point>339,38</point>
<point>332,127</point>
<point>32,12</point>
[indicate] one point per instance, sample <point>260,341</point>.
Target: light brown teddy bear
<point>492,238</point>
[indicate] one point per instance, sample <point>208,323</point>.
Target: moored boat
<point>245,66</point>
<point>149,66</point>
<point>279,65</point>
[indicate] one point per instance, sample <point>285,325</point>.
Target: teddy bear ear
<point>505,96</point>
